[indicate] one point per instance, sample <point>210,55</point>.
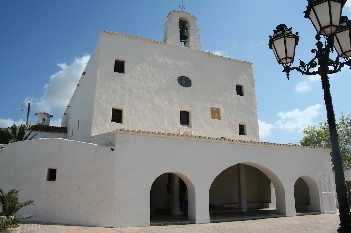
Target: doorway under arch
<point>240,192</point>
<point>170,201</point>
<point>306,195</point>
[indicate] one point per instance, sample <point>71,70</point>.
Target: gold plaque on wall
<point>215,113</point>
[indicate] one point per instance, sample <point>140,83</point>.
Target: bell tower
<point>181,30</point>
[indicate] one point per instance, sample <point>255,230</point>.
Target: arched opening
<point>170,201</point>
<point>242,192</point>
<point>306,195</point>
<point>183,32</point>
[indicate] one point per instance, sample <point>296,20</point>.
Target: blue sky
<point>44,46</point>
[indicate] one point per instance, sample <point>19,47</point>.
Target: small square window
<point>242,130</point>
<point>215,113</point>
<point>117,115</point>
<point>119,66</point>
<point>184,118</point>
<point>51,176</point>
<point>239,90</point>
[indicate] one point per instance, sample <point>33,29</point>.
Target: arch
<point>184,31</point>
<point>306,193</point>
<point>279,189</point>
<point>173,188</point>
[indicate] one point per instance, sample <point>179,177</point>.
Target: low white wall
<point>83,192</point>
<point>100,187</point>
<point>199,162</point>
<point>40,134</point>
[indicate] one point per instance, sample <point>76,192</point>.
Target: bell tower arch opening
<point>181,30</point>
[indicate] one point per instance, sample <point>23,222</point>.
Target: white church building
<point>162,128</point>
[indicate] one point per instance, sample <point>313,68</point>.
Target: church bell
<point>184,34</point>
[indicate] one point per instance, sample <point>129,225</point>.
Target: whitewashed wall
<point>83,192</point>
<point>151,97</point>
<point>99,187</point>
<point>79,112</point>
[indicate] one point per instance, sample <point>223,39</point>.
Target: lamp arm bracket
<point>314,68</point>
<point>304,68</point>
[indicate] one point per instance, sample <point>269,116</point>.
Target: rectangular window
<point>184,118</point>
<point>51,176</point>
<point>117,115</point>
<point>242,130</point>
<point>239,90</point>
<point>215,113</point>
<point>119,66</point>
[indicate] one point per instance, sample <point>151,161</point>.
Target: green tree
<point>10,204</point>
<point>12,134</point>
<point>318,136</point>
<point>15,134</point>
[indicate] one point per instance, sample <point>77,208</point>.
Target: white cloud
<point>306,84</point>
<point>265,129</point>
<point>60,88</point>
<point>297,120</point>
<point>221,53</point>
<point>291,121</point>
<point>56,122</point>
<point>5,123</point>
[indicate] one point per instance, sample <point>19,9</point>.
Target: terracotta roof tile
<point>213,139</point>
<point>48,128</point>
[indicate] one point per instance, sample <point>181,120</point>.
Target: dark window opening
<point>239,90</point>
<point>242,130</point>
<point>51,176</point>
<point>184,118</point>
<point>184,81</point>
<point>119,66</point>
<point>116,115</point>
<point>83,73</point>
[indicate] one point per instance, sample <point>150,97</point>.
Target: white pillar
<point>242,188</point>
<point>199,205</point>
<point>289,201</point>
<point>273,198</point>
<point>175,195</point>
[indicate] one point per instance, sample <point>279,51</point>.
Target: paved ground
<point>324,223</point>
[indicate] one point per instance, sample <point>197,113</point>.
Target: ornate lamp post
<point>325,16</point>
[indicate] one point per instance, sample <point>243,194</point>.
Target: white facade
<point>150,96</point>
<point>100,187</point>
<point>127,141</point>
<point>43,118</point>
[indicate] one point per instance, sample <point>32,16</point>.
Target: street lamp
<point>325,16</point>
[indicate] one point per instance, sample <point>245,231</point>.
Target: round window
<point>184,81</point>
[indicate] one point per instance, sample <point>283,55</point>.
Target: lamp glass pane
<point>314,21</point>
<point>321,21</point>
<point>285,51</point>
<point>290,45</point>
<point>342,43</point>
<point>279,49</point>
<point>336,13</point>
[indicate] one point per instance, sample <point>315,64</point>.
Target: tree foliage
<point>14,134</point>
<point>10,206</point>
<point>318,136</point>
